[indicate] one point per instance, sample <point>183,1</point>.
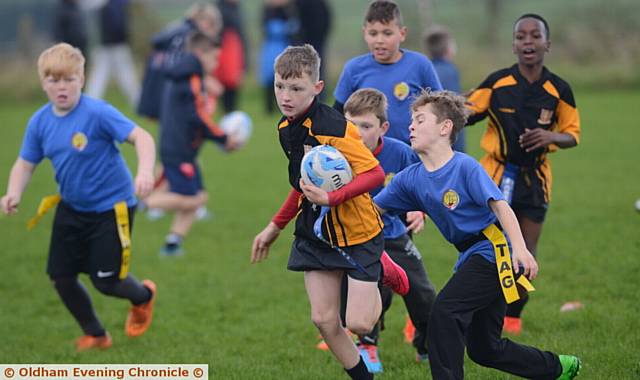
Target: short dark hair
<point>383,11</point>
<point>295,61</point>
<point>444,105</point>
<point>199,40</point>
<point>547,32</point>
<point>436,42</point>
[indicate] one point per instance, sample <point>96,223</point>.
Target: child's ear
<point>403,33</point>
<point>317,88</point>
<point>447,127</point>
<point>385,127</point>
<point>548,46</point>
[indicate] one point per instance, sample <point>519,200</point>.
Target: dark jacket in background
<point>114,28</point>
<point>184,120</point>
<point>69,25</point>
<point>168,47</point>
<point>315,22</point>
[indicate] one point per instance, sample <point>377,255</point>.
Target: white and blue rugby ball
<point>325,167</point>
<point>238,124</point>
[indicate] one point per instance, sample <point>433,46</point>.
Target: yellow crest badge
<point>401,91</point>
<point>545,116</point>
<point>451,199</point>
<point>79,141</point>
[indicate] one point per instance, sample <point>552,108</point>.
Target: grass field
<point>252,321</point>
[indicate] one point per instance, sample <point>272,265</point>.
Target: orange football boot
<point>140,316</point>
<point>88,342</point>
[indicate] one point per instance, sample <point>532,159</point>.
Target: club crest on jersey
<point>79,141</point>
<point>545,116</point>
<point>388,178</point>
<point>401,90</point>
<point>451,199</point>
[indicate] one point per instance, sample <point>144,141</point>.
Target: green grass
<point>252,321</point>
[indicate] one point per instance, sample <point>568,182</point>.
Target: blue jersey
<point>393,155</point>
<point>91,174</point>
<point>400,82</point>
<point>448,74</point>
<point>454,196</point>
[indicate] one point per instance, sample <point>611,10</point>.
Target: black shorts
<point>307,255</point>
<point>528,197</point>
<point>86,242</point>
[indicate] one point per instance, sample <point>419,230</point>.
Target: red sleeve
<point>363,183</point>
<point>288,210</point>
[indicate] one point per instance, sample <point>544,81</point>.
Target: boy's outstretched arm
<point>521,255</point>
<point>146,152</point>
<point>262,242</point>
<point>19,178</point>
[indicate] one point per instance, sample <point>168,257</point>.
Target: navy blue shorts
<point>307,255</point>
<point>184,179</point>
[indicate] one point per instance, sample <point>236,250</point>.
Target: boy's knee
<point>361,327</point>
<point>361,324</point>
<point>481,354</point>
<point>105,286</point>
<point>325,320</point>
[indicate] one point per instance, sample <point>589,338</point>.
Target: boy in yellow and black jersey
<point>531,113</point>
<point>351,241</point>
<point>353,221</point>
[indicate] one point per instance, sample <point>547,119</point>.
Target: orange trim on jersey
<point>504,82</point>
<point>201,106</point>
<point>544,174</point>
<point>478,101</point>
<point>551,89</point>
<point>494,140</point>
<point>284,123</point>
<point>307,123</point>
<point>494,168</point>
<point>359,156</point>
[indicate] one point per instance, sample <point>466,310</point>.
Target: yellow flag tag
<point>46,204</point>
<point>505,265</point>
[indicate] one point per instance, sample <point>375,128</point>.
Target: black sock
<point>359,372</point>
<point>129,288</point>
<point>76,298</point>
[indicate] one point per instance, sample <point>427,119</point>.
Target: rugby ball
<point>325,167</point>
<point>238,124</point>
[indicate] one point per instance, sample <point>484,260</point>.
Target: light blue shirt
<point>456,198</point>
<point>91,174</point>
<point>400,82</point>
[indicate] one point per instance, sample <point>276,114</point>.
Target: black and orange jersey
<point>512,104</point>
<point>354,221</point>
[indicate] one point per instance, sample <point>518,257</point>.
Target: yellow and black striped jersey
<point>512,104</point>
<point>354,221</point>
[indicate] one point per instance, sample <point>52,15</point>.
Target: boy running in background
<point>92,226</point>
<point>366,108</point>
<point>531,112</point>
<point>399,74</point>
<point>352,223</point>
<point>471,213</point>
<point>441,49</point>
<point>185,121</point>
